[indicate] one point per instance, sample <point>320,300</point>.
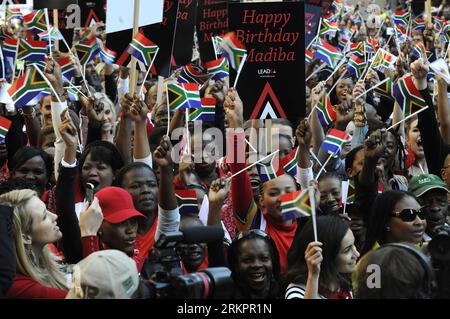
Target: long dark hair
<point>380,215</point>
<point>233,260</point>
<point>330,232</point>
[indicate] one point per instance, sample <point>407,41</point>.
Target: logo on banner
<point>91,19</point>
<point>268,105</point>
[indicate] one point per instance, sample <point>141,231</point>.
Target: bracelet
<point>31,115</point>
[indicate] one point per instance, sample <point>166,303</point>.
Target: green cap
<point>422,183</point>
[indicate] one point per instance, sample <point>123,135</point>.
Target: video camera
<point>439,249</point>
<point>163,268</point>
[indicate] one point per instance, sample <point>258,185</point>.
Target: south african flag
<point>36,21</point>
<point>143,49</point>
<point>187,201</point>
<point>295,205</point>
<point>233,49</point>
<point>356,66</point>
<point>408,97</point>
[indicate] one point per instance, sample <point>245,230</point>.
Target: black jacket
<point>7,250</point>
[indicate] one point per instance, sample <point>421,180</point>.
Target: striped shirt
<point>295,291</point>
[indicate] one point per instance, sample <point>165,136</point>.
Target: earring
<point>388,229</point>
<point>31,255</point>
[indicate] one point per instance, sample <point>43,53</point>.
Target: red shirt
<point>27,288</point>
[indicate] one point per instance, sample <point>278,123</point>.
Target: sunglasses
<point>248,233</point>
<point>409,214</point>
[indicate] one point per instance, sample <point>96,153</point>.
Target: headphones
<point>429,284</point>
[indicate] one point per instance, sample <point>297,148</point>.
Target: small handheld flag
<point>334,141</point>
<point>295,205</point>
<point>187,201</point>
<point>5,124</point>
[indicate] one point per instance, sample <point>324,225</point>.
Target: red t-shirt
<point>27,288</point>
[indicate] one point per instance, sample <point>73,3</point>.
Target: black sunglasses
<point>409,214</point>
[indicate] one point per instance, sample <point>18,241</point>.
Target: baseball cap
<point>422,183</point>
<point>117,204</point>
<point>109,274</point>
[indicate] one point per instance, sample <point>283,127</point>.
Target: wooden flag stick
<point>428,13</point>
<point>257,162</point>
<point>188,139</point>
<point>55,27</point>
<point>133,71</point>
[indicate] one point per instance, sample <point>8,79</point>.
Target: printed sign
<point>273,34</point>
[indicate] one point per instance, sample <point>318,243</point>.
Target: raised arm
<point>304,136</point>
<point>443,111</point>
<point>65,192</point>
<point>141,148</point>
<point>244,207</point>
<point>58,104</point>
<point>123,140</point>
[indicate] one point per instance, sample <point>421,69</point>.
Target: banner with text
<point>212,20</point>
<point>184,35</point>
<point>272,81</point>
<point>312,16</point>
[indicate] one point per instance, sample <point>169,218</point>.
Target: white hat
<point>106,274</point>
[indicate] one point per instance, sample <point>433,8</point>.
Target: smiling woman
<point>255,266</point>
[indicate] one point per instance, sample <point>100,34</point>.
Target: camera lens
<point>209,283</point>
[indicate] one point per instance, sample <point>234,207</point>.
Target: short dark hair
<point>351,156</point>
<point>330,231</point>
<point>330,174</point>
<point>43,133</point>
<point>124,170</point>
<point>27,152</point>
<point>105,152</point>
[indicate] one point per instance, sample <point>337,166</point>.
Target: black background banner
<point>92,11</point>
<point>161,34</point>
<point>312,16</point>
<point>272,82</point>
<point>52,4</point>
<point>184,36</point>
<point>212,20</point>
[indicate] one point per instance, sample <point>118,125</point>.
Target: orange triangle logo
<point>261,108</point>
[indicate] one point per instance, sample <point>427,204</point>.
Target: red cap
<point>117,205</point>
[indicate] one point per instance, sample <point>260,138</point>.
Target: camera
<point>439,249</point>
<point>163,270</point>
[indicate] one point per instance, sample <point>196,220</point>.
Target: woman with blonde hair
<point>38,274</point>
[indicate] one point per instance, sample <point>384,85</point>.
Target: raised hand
<point>419,71</point>
<point>373,146</point>
<point>360,88</point>
<point>68,130</point>
<point>91,219</point>
<point>53,73</point>
<point>138,109</point>
<point>219,190</point>
<point>303,134</point>
<point>186,170</point>
<point>313,258</point>
<point>234,109</point>
<point>317,92</point>
<point>344,114</point>
<point>125,105</point>
<point>162,155</point>
<point>218,90</point>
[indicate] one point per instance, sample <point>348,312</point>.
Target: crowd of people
<point>90,187</point>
